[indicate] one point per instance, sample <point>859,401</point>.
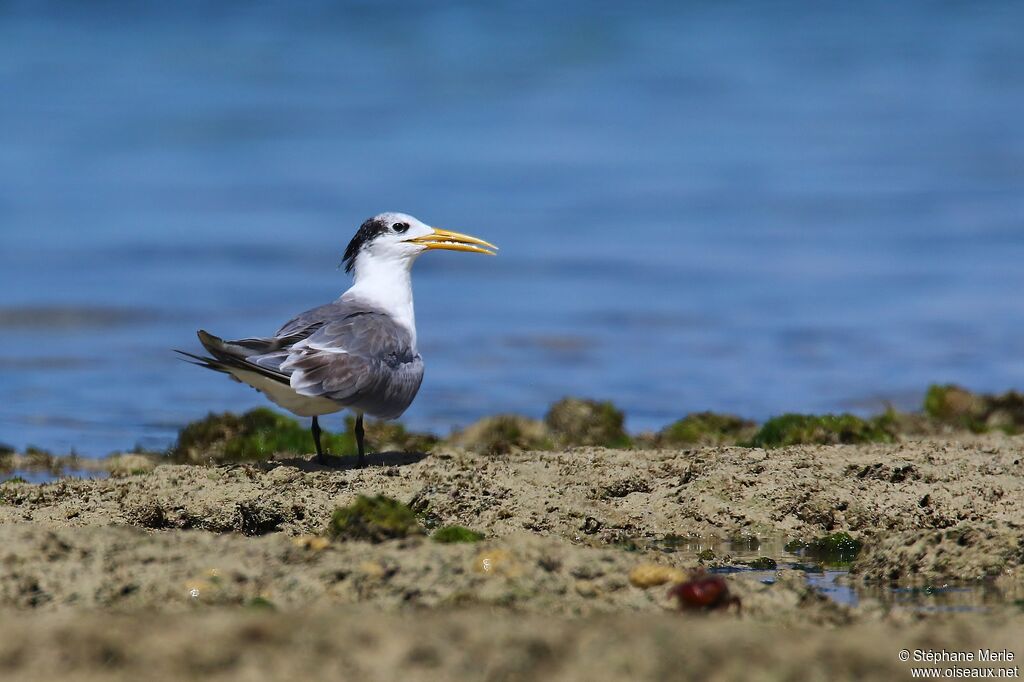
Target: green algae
<point>828,429</point>
<point>453,534</point>
<point>577,422</point>
<point>503,434</point>
<point>9,487</point>
<point>261,604</point>
<point>955,406</point>
<point>253,436</point>
<point>570,422</point>
<point>795,546</point>
<point>763,564</point>
<point>707,428</point>
<point>261,433</point>
<point>374,519</point>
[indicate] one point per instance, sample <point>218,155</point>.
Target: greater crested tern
<point>357,353</point>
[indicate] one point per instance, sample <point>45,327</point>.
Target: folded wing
<point>352,355</point>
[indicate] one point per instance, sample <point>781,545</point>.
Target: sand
<point>188,571</point>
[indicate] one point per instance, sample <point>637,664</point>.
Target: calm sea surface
<point>756,208</point>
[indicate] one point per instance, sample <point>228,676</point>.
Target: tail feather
<point>247,361</point>
<point>228,356</point>
<point>242,348</point>
<point>200,360</point>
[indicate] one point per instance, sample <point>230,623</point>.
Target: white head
<point>395,240</point>
<point>381,255</point>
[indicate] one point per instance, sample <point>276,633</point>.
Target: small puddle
<point>827,575</point>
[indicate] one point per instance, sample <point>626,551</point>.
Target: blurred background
<point>745,207</point>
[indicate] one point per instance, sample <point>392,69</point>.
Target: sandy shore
<point>470,644</point>
<point>184,570</point>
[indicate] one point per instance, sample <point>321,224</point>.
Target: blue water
<point>757,208</point>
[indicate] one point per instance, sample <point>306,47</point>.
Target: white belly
<point>283,395</point>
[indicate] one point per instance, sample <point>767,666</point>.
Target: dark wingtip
<point>210,341</point>
<point>201,361</point>
<point>192,358</point>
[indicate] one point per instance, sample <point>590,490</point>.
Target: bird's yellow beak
<point>453,241</point>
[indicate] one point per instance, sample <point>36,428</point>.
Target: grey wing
<point>343,351</point>
<point>269,353</point>
<point>362,359</point>
<point>308,322</point>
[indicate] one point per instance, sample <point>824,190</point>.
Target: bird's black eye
<point>400,228</point>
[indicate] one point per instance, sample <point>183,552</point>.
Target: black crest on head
<point>368,231</point>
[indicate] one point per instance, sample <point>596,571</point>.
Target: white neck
<point>387,284</point>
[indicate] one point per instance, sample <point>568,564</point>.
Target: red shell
<point>701,593</point>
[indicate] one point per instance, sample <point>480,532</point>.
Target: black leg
<point>316,439</point>
<point>359,440</point>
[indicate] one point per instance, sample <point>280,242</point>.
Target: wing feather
<point>346,352</point>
